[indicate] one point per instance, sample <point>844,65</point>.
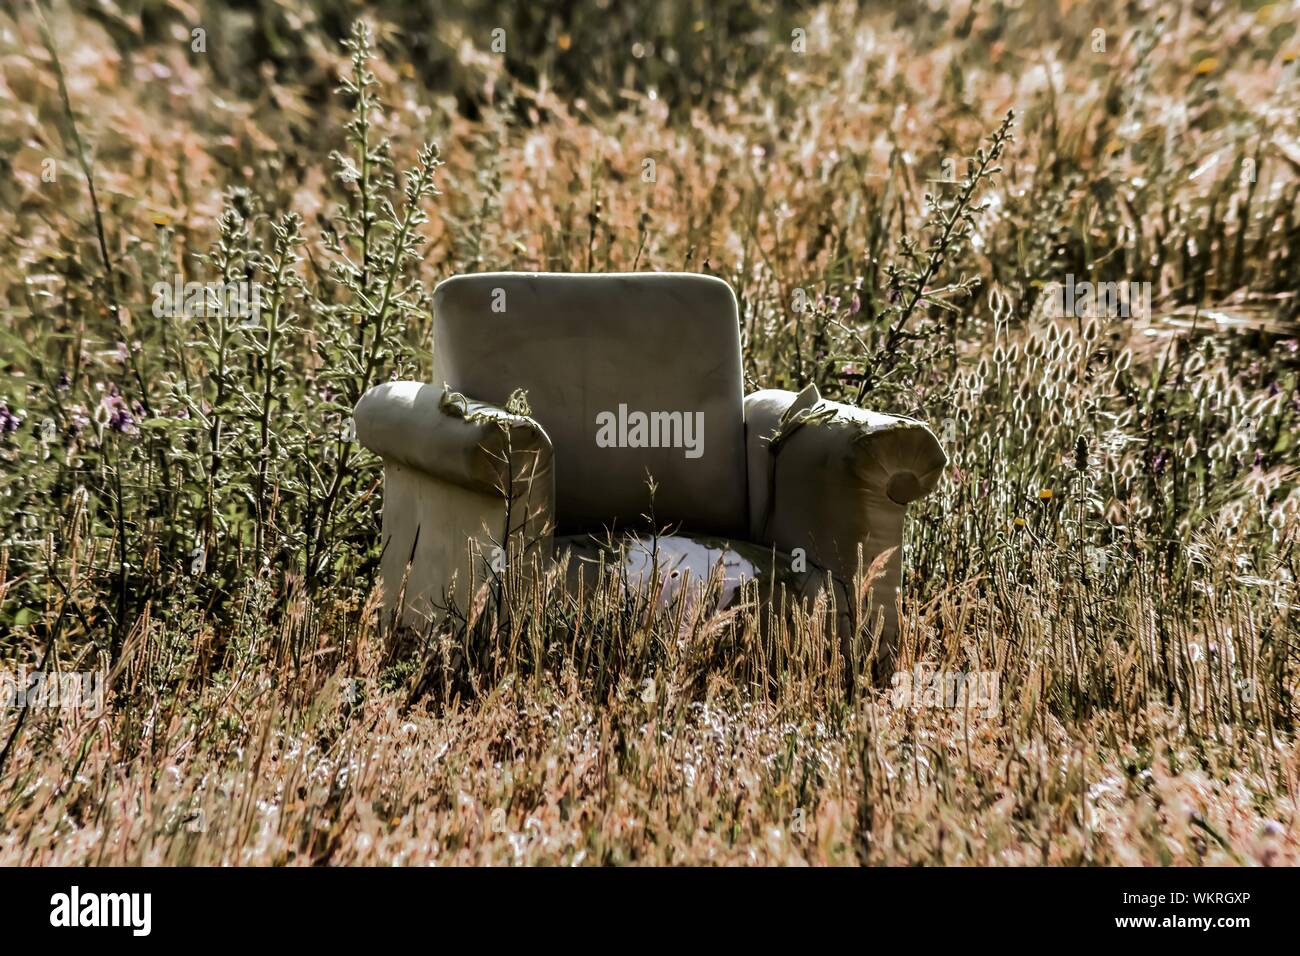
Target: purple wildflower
<point>118,413</point>
<point>9,420</point>
<point>77,419</point>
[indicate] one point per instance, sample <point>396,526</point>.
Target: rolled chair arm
<point>469,488</point>
<point>448,436</point>
<point>830,478</point>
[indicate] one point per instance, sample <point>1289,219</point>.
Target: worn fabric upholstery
<point>787,489</point>
<point>461,478</point>
<point>833,479</point>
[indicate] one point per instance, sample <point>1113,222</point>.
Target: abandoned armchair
<point>628,377</point>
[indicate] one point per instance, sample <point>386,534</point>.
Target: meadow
<point>895,191</point>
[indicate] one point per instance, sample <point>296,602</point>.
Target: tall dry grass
<point>1115,538</point>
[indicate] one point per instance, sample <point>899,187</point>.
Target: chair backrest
<point>629,374</point>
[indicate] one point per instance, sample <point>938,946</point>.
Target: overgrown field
<point>185,509</point>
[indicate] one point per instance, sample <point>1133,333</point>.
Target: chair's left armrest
<point>468,488</point>
<point>451,437</point>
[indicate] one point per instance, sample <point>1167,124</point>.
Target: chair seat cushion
<point>686,563</point>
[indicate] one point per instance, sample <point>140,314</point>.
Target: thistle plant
<point>266,342</point>
<point>364,310</point>
<point>952,223</point>
<point>912,280</point>
<point>233,257</point>
<point>268,459</point>
<point>373,244</point>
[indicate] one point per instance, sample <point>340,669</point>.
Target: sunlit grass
<point>1115,537</point>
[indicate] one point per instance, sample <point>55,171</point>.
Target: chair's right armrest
<point>835,481</point>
